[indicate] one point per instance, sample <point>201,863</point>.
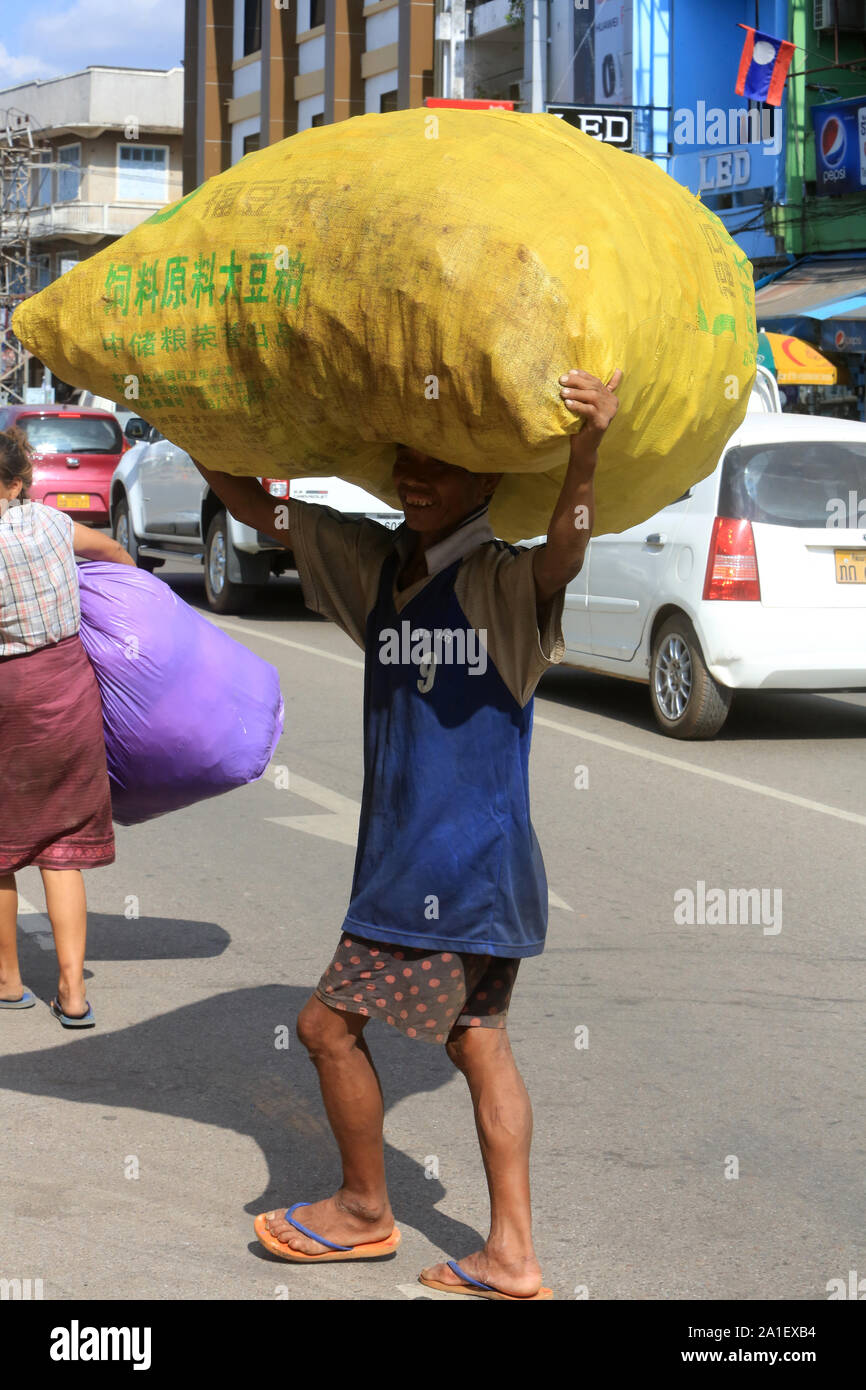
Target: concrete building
<point>257,73</point>
<point>107,155</point>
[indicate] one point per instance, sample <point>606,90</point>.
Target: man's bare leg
<point>503,1118</point>
<point>359,1211</point>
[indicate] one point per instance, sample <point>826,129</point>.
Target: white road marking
<point>341,824</point>
<point>554,900</point>
<point>284,642</point>
<point>757,788</point>
<point>35,924</point>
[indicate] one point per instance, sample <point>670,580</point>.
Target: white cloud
<point>145,33</point>
<point>14,69</point>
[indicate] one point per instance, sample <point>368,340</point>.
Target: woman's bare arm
<point>93,545</point>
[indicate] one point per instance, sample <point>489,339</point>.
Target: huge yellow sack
<point>422,278</point>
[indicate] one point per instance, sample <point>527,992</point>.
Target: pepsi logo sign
<point>840,339</point>
<point>833,142</point>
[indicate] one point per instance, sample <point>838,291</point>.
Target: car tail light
<point>277,487</point>
<point>732,565</point>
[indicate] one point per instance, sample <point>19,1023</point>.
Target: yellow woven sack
<point>422,277</point>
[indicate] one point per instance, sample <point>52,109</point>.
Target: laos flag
<point>764,66</point>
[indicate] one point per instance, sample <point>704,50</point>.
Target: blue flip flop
<point>480,1290</point>
<point>69,1020</point>
<point>27,1000</point>
<point>367,1250</point>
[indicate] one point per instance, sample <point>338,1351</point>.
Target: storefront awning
<point>820,299</point>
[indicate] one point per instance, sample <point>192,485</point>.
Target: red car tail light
<point>732,564</point>
<point>277,487</point>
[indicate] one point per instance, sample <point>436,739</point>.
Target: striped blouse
<point>39,600</point>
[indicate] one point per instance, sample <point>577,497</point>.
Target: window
<point>793,484</point>
<point>41,179</point>
<point>252,26</point>
<point>388,101</point>
<point>71,434</point>
<point>40,272</point>
<point>142,173</point>
<point>317,13</point>
<point>318,119</point>
<point>69,173</point>
<point>252,142</point>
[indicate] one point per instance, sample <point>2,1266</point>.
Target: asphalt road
<point>707,1141</point>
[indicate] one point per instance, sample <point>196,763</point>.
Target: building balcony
<point>75,221</point>
<point>488,17</point>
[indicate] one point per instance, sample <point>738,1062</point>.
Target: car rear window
<point>798,483</point>
<point>72,434</point>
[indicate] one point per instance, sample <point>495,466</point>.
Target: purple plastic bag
<point>188,713</point>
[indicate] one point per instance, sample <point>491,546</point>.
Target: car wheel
<point>125,536</point>
<point>223,595</point>
<point>686,701</point>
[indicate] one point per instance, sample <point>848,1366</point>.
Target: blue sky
<point>59,36</point>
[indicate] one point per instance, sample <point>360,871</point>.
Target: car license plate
<point>73,500</point>
<point>850,566</point>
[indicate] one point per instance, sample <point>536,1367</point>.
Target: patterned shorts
<point>423,993</point>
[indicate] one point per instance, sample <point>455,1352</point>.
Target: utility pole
<point>450,36</point>
<point>20,163</point>
<point>535,53</point>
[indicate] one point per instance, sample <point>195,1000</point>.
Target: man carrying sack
<point>449,890</point>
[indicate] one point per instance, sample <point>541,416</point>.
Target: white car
<point>754,580</point>
<point>161,506</point>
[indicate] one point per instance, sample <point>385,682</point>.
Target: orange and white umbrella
<point>795,362</point>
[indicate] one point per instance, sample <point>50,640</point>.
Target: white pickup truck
<point>161,506</point>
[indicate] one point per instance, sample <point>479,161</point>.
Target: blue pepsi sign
<point>840,146</point>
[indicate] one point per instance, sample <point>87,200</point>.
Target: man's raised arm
<point>249,503</point>
<point>557,562</point>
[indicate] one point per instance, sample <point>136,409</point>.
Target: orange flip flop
<point>368,1250</point>
<point>476,1289</point>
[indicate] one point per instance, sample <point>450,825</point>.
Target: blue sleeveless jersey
<point>447,857</point>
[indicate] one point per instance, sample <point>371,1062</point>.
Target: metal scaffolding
<point>23,156</point>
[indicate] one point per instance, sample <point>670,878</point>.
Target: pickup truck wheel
<point>125,536</point>
<point>223,595</point>
<point>686,701</point>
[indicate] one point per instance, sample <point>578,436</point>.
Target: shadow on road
<point>152,938</point>
<point>215,1062</point>
<point>755,715</point>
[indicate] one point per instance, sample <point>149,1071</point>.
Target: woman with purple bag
<point>55,803</point>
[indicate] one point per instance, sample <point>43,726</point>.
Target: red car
<point>75,452</point>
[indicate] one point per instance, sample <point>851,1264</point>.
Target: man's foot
<point>521,1277</point>
<point>338,1219</point>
